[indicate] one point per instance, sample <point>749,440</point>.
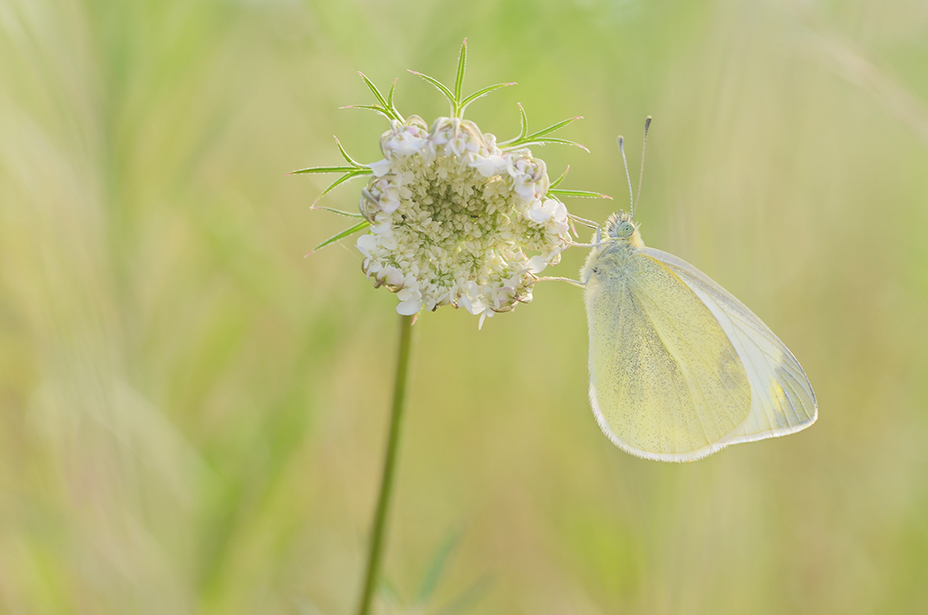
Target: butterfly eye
<point>625,229</point>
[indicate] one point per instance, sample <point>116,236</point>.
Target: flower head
<point>453,217</point>
<point>457,221</point>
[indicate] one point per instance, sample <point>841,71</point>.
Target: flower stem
<point>374,554</point>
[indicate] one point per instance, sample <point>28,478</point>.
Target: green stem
<point>374,554</point>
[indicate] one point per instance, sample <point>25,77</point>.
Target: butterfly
<point>680,368</point>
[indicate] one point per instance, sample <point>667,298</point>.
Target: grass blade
<point>388,590</point>
<point>433,574</point>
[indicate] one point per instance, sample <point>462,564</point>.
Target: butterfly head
<point>622,229</point>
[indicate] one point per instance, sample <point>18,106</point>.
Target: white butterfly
<point>679,368</point>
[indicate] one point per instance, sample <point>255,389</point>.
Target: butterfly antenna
<point>631,198</point>
<point>644,145</point>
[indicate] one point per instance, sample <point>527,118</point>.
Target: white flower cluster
<point>457,221</point>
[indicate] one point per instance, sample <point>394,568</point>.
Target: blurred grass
<point>192,415</point>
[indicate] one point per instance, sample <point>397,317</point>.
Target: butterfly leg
<point>598,243</point>
<point>547,278</point>
<point>584,221</point>
<point>589,224</point>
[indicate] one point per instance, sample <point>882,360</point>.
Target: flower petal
<point>380,168</point>
<point>409,307</point>
<point>365,244</point>
<point>537,264</point>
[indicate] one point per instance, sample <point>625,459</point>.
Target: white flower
<point>457,221</point>
<point>389,201</point>
<point>366,243</point>
<point>488,166</point>
<point>538,212</point>
<point>537,264</point>
<point>380,168</point>
<point>392,276</point>
<point>405,139</point>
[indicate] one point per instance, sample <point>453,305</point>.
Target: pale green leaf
<point>459,78</point>
<point>586,194</point>
<point>348,214</point>
<point>554,127</point>
<point>325,170</point>
<point>543,141</point>
<point>360,226</point>
<point>387,109</point>
<point>557,181</point>
<point>345,155</point>
<point>438,84</point>
<point>341,180</point>
<point>481,93</point>
<point>376,108</point>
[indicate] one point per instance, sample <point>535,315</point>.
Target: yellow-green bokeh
<point>192,415</point>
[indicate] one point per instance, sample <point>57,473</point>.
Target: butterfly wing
<point>782,401</point>
<point>666,382</point>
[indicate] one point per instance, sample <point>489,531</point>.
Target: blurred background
<point>192,415</point>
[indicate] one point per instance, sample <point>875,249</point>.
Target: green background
<point>192,415</point>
